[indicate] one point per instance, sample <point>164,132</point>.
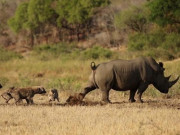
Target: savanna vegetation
<point>52,43</point>
<point>149,26</point>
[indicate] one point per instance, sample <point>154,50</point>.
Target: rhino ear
<point>161,64</point>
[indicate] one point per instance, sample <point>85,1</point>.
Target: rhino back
<point>121,74</point>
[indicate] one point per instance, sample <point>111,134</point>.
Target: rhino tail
<point>93,66</point>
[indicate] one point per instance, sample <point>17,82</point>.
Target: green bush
<point>6,55</point>
<point>142,41</point>
<point>172,42</point>
<point>97,52</point>
<point>134,18</point>
<point>63,50</point>
<point>164,12</point>
<point>70,51</point>
<point>158,44</point>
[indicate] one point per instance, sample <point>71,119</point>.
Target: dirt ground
<point>117,101</point>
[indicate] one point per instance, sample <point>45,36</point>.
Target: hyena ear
<point>52,90</point>
<point>41,89</point>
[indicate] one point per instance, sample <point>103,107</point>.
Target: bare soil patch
<point>173,103</point>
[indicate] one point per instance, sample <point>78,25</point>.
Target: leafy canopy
<point>164,12</point>
<point>31,15</point>
<point>77,11</point>
<point>19,20</point>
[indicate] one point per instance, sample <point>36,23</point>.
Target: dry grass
<point>91,120</point>
<point>156,116</point>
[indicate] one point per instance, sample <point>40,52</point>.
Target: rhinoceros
<point>122,75</point>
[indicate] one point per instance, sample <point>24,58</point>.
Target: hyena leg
<point>57,99</point>
<point>7,100</point>
<point>50,100</point>
<point>27,100</point>
<point>17,101</point>
<point>31,100</point>
<point>7,97</point>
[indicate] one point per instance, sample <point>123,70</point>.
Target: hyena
<point>26,93</point>
<point>53,94</point>
<point>6,95</point>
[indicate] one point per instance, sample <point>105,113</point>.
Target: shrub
<point>142,41</point>
<point>96,52</point>
<point>164,12</point>
<point>133,18</point>
<point>172,42</point>
<point>156,44</point>
<point>46,52</point>
<point>70,51</point>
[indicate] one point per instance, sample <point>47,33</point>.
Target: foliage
<point>164,12</point>
<point>97,52</point>
<point>77,11</point>
<point>39,12</point>
<point>65,51</point>
<point>154,40</point>
<point>134,18</point>
<point>19,20</point>
<point>32,14</point>
<point>156,43</point>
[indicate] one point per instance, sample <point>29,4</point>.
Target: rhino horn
<point>173,82</point>
<point>168,77</point>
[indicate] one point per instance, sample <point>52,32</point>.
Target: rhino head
<point>161,82</point>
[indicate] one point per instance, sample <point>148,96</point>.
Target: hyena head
<point>41,90</point>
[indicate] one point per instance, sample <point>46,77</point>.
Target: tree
<point>164,12</point>
<point>134,19</point>
<point>32,16</point>
<point>39,12</point>
<point>76,14</point>
<point>19,20</point>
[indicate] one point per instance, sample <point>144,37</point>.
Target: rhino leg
<point>86,91</point>
<point>141,89</point>
<point>105,96</point>
<point>131,96</point>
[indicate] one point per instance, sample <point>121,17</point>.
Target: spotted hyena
<point>53,94</point>
<point>26,93</point>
